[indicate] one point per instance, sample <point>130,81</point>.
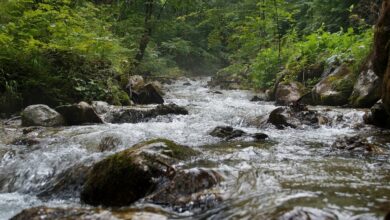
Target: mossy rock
<point>130,175</point>
<point>335,89</point>
<point>289,92</point>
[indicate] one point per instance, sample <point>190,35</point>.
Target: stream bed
<point>294,174</point>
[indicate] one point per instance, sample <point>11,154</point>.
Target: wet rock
<point>187,84</point>
<point>127,176</point>
<point>292,117</point>
<point>367,89</point>
<point>67,183</point>
<point>335,89</point>
<point>135,115</point>
<point>357,144</point>
<point>259,136</point>
<point>100,107</point>
<point>109,143</point>
<point>307,214</point>
<point>282,118</point>
<point>79,114</point>
<point>288,92</point>
<point>41,115</point>
<point>378,116</point>
<point>147,95</point>
<point>227,132</point>
<point>42,212</point>
<point>188,190</point>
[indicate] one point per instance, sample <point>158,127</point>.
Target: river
<point>296,171</point>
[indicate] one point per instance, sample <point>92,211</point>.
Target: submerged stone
<point>42,212</point>
<point>358,145</point>
<point>227,132</point>
<point>188,190</point>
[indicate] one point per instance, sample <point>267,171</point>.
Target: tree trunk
<point>147,33</point>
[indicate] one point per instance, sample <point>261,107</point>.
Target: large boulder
<point>130,175</point>
<point>367,89</point>
<point>284,117</point>
<point>41,115</point>
<point>381,52</point>
<point>78,114</point>
<point>288,92</point>
<point>335,89</point>
<point>136,114</point>
<point>378,116</point>
<point>148,94</point>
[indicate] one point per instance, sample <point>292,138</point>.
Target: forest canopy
<point>64,51</point>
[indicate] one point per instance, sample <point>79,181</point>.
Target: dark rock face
<point>135,115</point>
<point>43,212</point>
<point>41,115</point>
<point>79,114</point>
<point>378,116</point>
<point>227,132</point>
<point>147,95</point>
<point>127,176</point>
<point>366,91</point>
<point>381,53</point>
<point>287,93</point>
<point>284,117</point>
<point>335,89</point>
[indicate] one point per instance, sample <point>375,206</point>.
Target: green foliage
<point>57,52</point>
<point>64,51</point>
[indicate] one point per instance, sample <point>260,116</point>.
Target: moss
<point>127,176</point>
<point>173,150</point>
<point>116,181</point>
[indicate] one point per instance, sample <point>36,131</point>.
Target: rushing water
<point>294,172</point>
